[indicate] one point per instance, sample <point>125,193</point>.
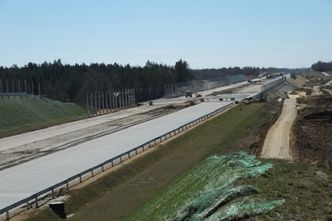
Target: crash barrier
<point>57,189</point>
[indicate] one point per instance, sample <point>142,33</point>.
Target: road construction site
<point>312,131</point>
<point>24,147</point>
<point>55,154</point>
<point>66,155</point>
<point>303,130</point>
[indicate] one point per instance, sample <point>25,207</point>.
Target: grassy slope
<point>202,186</point>
<point>19,115</point>
<point>307,189</point>
<point>115,196</point>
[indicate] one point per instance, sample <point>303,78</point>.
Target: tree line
<point>322,66</point>
<point>223,73</point>
<point>72,82</point>
<point>66,82</point>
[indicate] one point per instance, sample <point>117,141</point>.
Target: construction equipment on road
<point>188,94</point>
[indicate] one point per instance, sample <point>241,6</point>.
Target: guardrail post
<point>67,186</point>
<point>53,193</point>
<point>102,168</point>
<point>36,199</point>
<point>80,178</point>
<point>7,215</point>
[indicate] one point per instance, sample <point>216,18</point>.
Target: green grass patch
<point>22,114</point>
<point>208,192</point>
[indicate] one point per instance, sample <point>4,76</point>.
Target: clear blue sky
<point>206,33</point>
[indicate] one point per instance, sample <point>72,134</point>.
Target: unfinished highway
<point>26,179</point>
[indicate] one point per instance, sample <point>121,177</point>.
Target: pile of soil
<point>313,131</point>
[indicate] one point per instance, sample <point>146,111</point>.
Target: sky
<point>205,33</point>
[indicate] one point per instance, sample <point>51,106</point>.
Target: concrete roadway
<point>43,134</point>
<point>182,99</point>
<point>24,180</point>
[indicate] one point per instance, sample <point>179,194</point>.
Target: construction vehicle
<point>188,94</point>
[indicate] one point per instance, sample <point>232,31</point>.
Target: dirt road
<point>276,144</point>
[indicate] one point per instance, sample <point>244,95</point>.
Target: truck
<point>188,94</point>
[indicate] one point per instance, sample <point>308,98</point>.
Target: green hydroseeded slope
<point>209,193</point>
<point>22,114</point>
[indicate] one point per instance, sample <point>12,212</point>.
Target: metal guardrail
<point>34,199</point>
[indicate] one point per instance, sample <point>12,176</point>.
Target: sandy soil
<point>328,83</point>
<point>277,141</point>
<point>313,129</point>
<point>316,91</point>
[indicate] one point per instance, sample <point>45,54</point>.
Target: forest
<point>66,82</point>
<point>222,73</point>
<point>72,83</point>
<point>322,66</point>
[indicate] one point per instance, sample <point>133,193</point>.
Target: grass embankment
<point>306,188</point>
<point>208,192</point>
<point>22,114</point>
<point>115,196</point>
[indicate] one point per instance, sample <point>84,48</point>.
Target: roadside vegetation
<point>306,188</point>
<point>23,114</point>
<point>209,193</point>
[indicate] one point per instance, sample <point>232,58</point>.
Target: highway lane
<point>54,131</point>
<point>205,93</point>
<point>24,180</point>
<point>43,134</point>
